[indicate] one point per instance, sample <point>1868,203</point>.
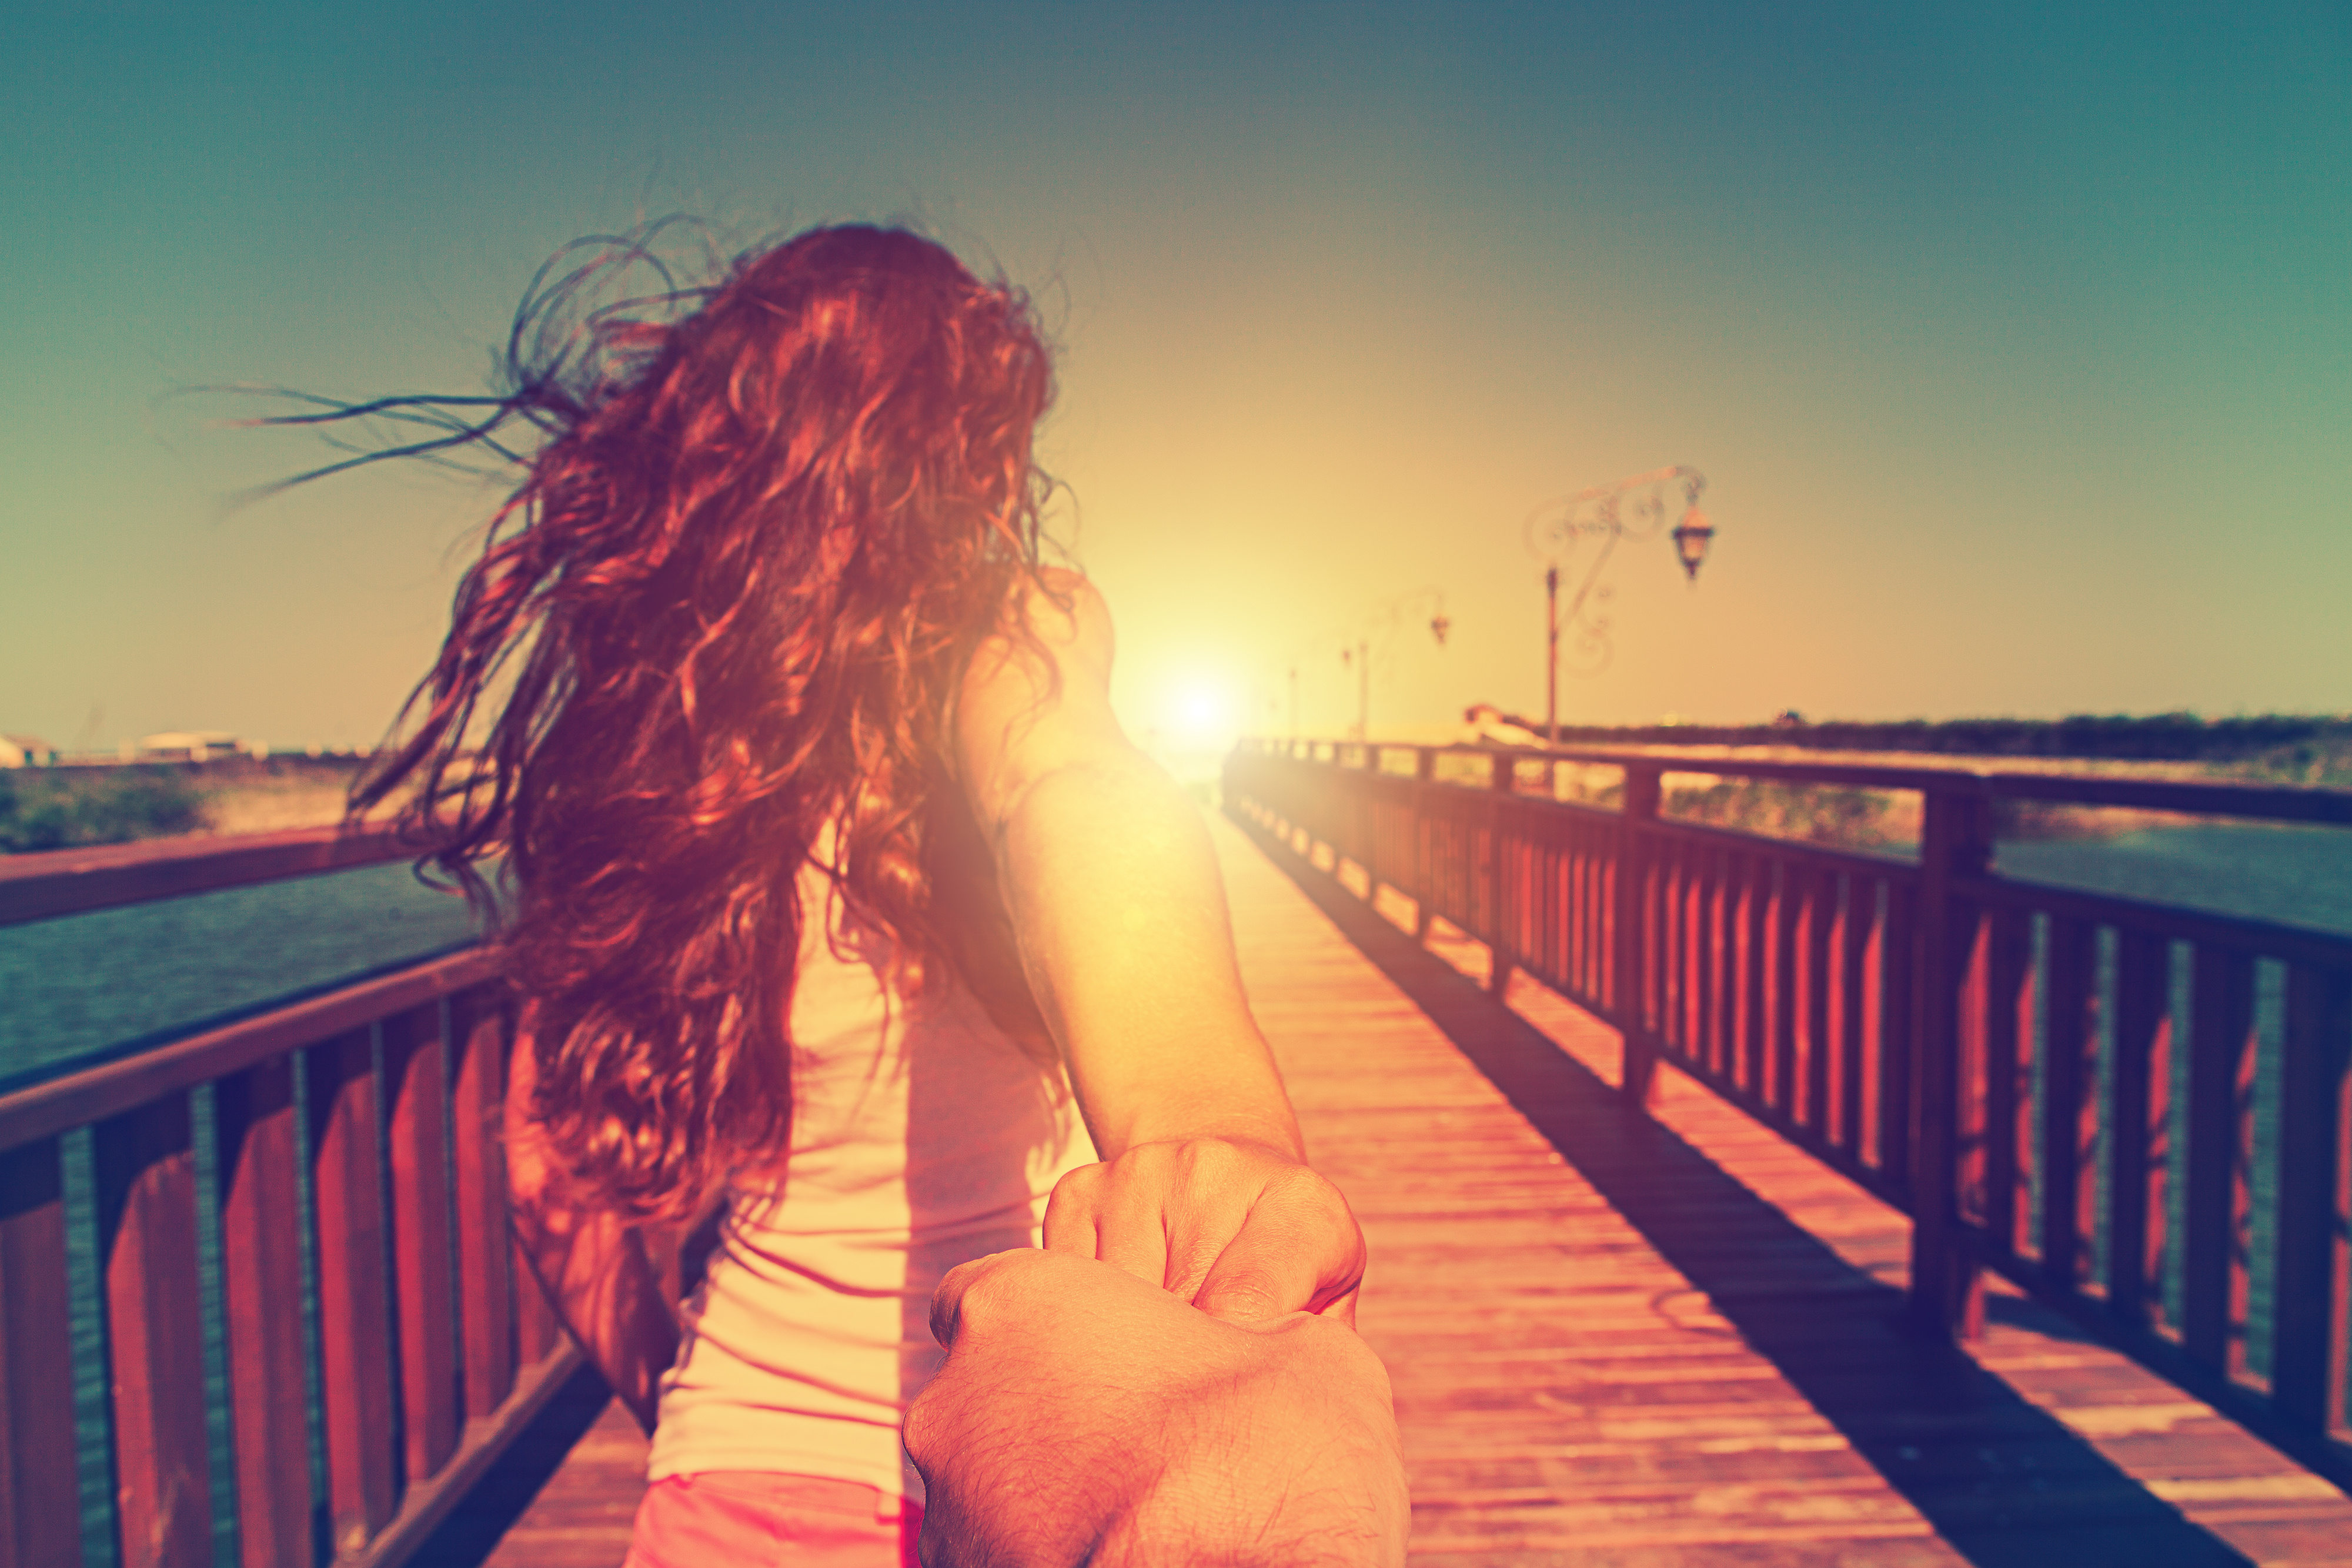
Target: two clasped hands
<point>1175,1379</point>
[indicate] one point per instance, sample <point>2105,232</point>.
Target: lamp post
<point>1553,528</point>
<point>1380,623</point>
<point>1367,640</point>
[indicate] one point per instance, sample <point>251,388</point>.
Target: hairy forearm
<point>1116,897</point>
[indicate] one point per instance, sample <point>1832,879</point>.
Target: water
<point>2296,875</point>
<point>87,987</point>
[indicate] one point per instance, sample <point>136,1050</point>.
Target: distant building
<point>188,744</point>
<point>1482,724</point>
<point>26,750</point>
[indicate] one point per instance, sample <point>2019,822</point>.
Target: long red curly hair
<point>734,593</point>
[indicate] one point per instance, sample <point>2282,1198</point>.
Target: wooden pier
<point>1619,1339</point>
<point>1815,1207</point>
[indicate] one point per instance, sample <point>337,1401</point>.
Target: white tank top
<point>921,1137</point>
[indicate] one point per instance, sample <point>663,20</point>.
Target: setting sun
<point>1199,710</point>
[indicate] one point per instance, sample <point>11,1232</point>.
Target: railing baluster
<point>2139,1151</point>
<point>2220,1043</point>
<point>144,1162</point>
<point>1781,1072</point>
<point>416,1082</point>
<point>1550,904</point>
<point>1699,1007</point>
<point>1898,1036</point>
<point>2008,1018</point>
<point>1690,941</point>
<point>2308,1307</point>
<point>1664,942</point>
<point>1716,951</point>
<point>261,1282</point>
<point>1660,940</point>
<point>1755,930</point>
<point>2243,1152</point>
<point>1820,911</point>
<point>1590,939</point>
<point>484,1281</point>
<point>1971,1058</point>
<point>1631,925</point>
<point>40,1517</point>
<point>1499,783</point>
<point>2069,1067</point>
<point>355,1338</point>
<point>1425,778</point>
<point>1855,918</point>
<point>1728,928</point>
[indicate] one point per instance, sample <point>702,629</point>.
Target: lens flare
<point>1199,710</point>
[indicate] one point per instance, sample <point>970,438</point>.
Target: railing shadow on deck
<point>2004,1482</point>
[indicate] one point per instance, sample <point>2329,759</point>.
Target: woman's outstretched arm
<point>1116,899</point>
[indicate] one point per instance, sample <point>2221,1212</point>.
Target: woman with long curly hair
<point>837,895</point>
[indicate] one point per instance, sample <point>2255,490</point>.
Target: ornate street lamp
<point>1552,531</point>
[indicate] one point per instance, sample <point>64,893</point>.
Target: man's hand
<point>1240,1230</point>
<point>1084,1415</point>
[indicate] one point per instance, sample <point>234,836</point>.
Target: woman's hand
<point>1241,1229</point>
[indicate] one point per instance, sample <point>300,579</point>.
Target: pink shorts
<point>760,1519</point>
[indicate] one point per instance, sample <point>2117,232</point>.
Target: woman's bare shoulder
<point>1028,703</point>
<point>1065,611</point>
<point>1057,628</point>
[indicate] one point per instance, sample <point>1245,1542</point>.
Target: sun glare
<point>1199,711</point>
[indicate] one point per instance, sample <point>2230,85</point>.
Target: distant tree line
<point>58,809</point>
<point>74,807</point>
<point>2157,738</point>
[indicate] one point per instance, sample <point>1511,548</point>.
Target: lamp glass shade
<point>1691,535</point>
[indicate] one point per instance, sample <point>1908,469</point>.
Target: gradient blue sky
<point>2016,343</point>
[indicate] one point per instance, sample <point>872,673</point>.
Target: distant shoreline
<point>82,802</point>
<point>76,805</point>
<point>2283,741</point>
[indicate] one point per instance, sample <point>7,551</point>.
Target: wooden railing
<point>311,1202</point>
<point>2136,1113</point>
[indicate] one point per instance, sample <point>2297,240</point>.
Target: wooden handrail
<point>49,882</point>
<point>1958,1041</point>
<point>95,1094</point>
<point>2261,802</point>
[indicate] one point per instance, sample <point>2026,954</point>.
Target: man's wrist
<point>1254,1133</point>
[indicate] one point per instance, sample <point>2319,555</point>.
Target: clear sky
<point>2015,342</point>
